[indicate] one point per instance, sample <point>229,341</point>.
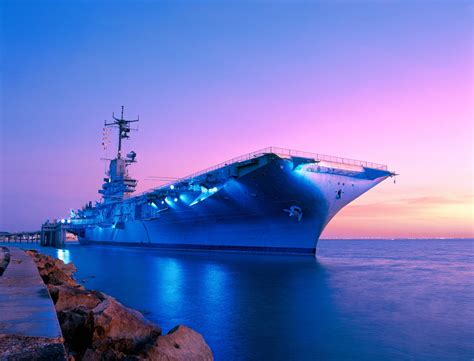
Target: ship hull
<point>276,207</point>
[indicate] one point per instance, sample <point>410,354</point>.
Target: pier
<point>21,237</point>
<point>52,234</point>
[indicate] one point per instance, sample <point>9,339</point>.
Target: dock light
<point>162,202</point>
<point>172,186</point>
<point>153,204</point>
<point>176,199</point>
<point>63,220</point>
<point>68,221</point>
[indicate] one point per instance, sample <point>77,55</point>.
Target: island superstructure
<point>271,200</point>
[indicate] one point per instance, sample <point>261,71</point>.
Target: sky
<point>383,81</point>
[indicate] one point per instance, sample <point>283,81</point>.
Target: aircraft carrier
<point>271,200</point>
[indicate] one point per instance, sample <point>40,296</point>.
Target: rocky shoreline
<point>97,327</point>
<point>4,259</point>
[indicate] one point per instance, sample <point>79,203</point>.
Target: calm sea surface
<point>360,299</point>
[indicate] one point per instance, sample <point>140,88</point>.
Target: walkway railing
<point>324,157</point>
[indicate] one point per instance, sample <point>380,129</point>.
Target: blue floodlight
<point>172,186</point>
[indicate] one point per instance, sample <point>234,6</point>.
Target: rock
<point>53,271</point>
<point>67,297</point>
<point>180,344</point>
<point>91,355</point>
<point>4,259</point>
<point>120,328</point>
<point>77,327</point>
<point>96,326</point>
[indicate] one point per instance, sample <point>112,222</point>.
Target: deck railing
<point>280,152</point>
<point>324,157</point>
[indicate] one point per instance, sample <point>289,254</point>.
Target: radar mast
<point>123,129</point>
<point>118,184</point>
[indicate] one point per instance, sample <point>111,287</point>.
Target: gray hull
<point>273,205</point>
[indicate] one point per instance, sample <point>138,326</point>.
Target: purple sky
<point>390,83</point>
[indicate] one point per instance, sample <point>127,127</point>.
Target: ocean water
<point>358,300</point>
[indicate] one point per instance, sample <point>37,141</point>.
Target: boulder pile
<point>4,259</point>
<point>96,326</point>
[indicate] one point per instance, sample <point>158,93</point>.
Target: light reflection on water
<point>169,273</point>
<point>63,255</point>
<point>367,300</point>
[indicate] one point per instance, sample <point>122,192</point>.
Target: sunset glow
<point>389,83</point>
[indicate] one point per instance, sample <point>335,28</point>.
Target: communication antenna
<point>124,129</point>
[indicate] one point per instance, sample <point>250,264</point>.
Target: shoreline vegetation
<point>97,327</point>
